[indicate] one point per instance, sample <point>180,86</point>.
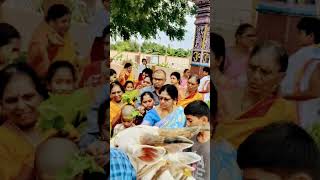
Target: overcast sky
<point>163,39</point>
<point>187,43</point>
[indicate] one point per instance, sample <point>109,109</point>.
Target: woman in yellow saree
<point>192,93</point>
<point>258,104</point>
<point>20,96</point>
<point>116,92</point>
<point>51,40</point>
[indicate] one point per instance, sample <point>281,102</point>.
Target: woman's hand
<point>141,109</point>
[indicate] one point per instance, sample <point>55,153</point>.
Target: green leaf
<point>314,131</point>
<point>45,124</point>
<point>58,123</point>
<point>130,18</point>
<point>135,113</point>
<point>208,103</point>
<point>77,165</point>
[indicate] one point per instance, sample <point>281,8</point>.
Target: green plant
<point>150,48</point>
<point>135,114</point>
<point>314,131</point>
<point>118,57</point>
<point>77,165</point>
<point>165,65</point>
<point>130,96</point>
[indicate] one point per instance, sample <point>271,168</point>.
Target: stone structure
<point>201,46</point>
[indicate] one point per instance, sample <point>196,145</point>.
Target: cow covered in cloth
<point>157,154</point>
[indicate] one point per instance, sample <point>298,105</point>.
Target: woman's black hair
<point>242,28</point>
<point>57,11</point>
<point>177,75</point>
<point>127,65</point>
<point>185,70</point>
<point>146,93</point>
<point>126,84</point>
<point>218,48</point>
<point>116,83</point>
<point>171,90</point>
<point>21,68</point>
<point>112,72</point>
<point>60,64</point>
<point>7,33</point>
<point>148,71</point>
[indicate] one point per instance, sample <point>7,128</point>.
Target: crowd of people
<point>53,102</point>
<point>268,104</point>
<point>148,100</point>
<point>58,112</point>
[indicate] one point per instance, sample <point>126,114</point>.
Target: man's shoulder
<point>145,89</point>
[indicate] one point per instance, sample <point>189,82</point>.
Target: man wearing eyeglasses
<point>159,79</point>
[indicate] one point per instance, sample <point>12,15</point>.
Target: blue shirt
<point>92,132</point>
<point>120,166</point>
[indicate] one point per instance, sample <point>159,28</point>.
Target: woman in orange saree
<point>258,104</point>
<point>51,40</point>
<point>126,74</point>
<point>192,93</point>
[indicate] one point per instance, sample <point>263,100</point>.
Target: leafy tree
<point>150,48</point>
<point>147,17</point>
<point>130,46</point>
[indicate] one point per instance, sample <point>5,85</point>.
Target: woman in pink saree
<point>236,62</point>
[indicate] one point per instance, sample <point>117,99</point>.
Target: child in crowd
<point>113,76</point>
<point>198,114</point>
<point>127,119</point>
<point>129,86</point>
<point>52,156</point>
<point>61,78</point>
<point>279,151</point>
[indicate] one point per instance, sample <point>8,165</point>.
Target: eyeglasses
<point>165,99</point>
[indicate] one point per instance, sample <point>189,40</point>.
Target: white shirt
<point>309,110</point>
<point>203,85</point>
<point>99,22</point>
<point>142,67</point>
<point>295,63</point>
